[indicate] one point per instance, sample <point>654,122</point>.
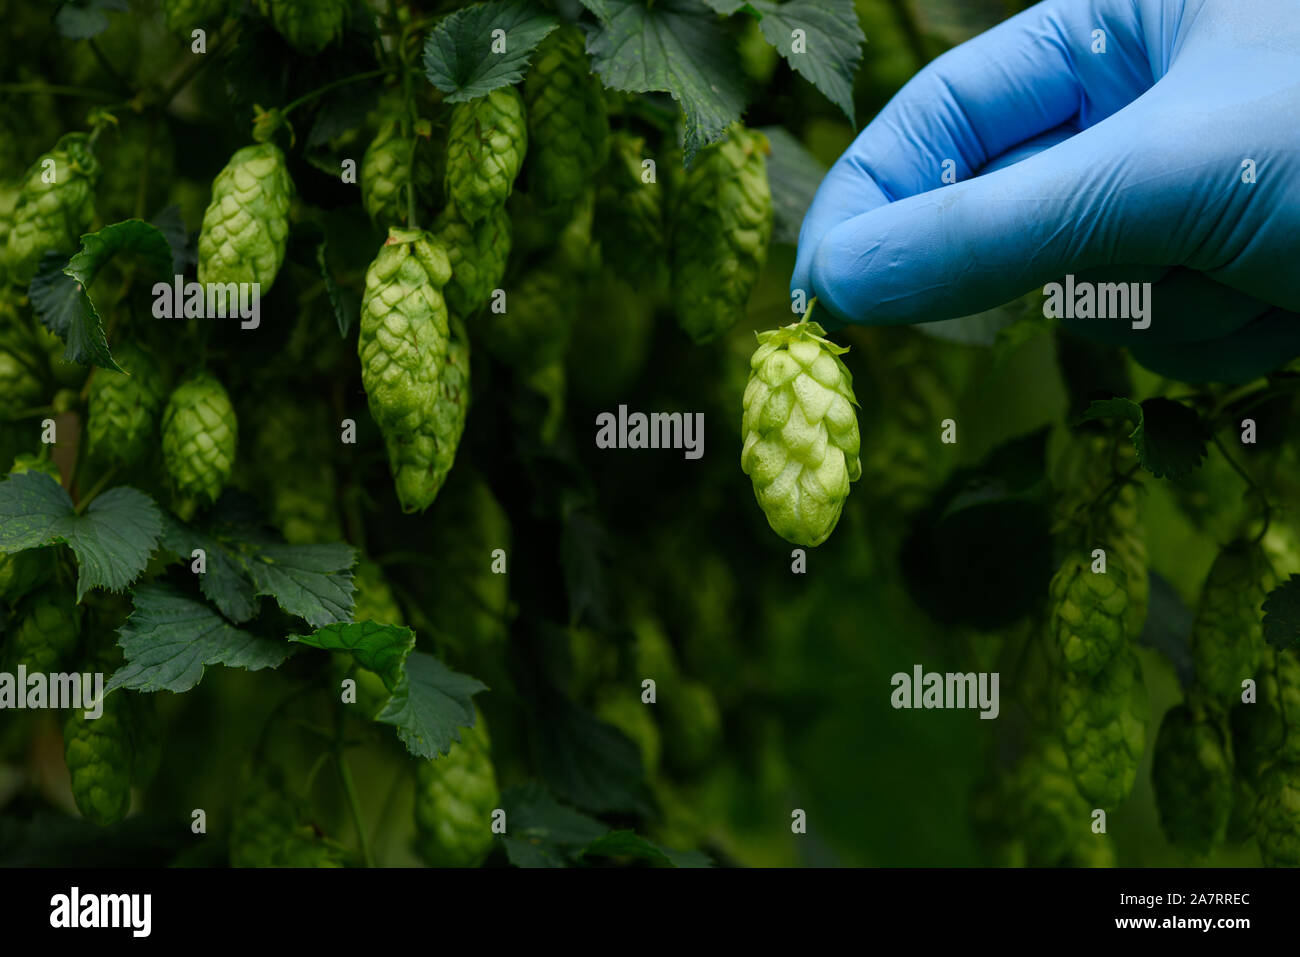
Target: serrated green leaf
<point>1169,436</point>
<point>382,649</point>
<point>1282,615</point>
<point>343,316</point>
<point>458,54</point>
<point>534,816</point>
<point>833,43</point>
<point>586,762</point>
<point>310,581</point>
<point>627,844</point>
<point>169,639</point>
<point>795,173</point>
<point>224,583</point>
<point>1118,408</point>
<point>678,47</point>
<point>112,540</point>
<point>429,704</point>
<point>168,221</point>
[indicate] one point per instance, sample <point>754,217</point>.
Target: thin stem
<point>350,791</point>
<point>57,90</point>
<point>321,91</point>
<point>95,489</point>
<point>108,67</point>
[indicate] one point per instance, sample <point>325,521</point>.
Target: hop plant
<point>184,16</point>
<point>800,432</point>
<point>308,25</point>
<point>1193,778</point>
<point>1103,722</point>
<point>1088,614</point>
<point>1278,816</point>
<point>622,708</point>
<point>199,435</point>
<point>387,167</point>
<point>485,150</point>
<point>57,205</point>
<point>610,342</point>
<point>535,328</point>
<point>246,226</point>
<point>123,409</point>
<point>48,626</point>
<point>722,222</point>
<point>290,459</point>
<point>20,388</point>
<point>267,829</point>
<point>629,212</point>
<point>568,128</point>
<point>1228,632</point>
<point>1051,815</point>
<point>455,796</point>
<point>478,254</point>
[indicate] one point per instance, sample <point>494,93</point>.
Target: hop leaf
<point>455,796</point>
<point>199,435</point>
<point>1192,775</point>
<point>1103,727</point>
<point>485,150</point>
<point>722,225</point>
<point>57,205</point>
<point>801,433</point>
<point>246,225</point>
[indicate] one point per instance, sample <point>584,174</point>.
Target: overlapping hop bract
<point>485,151</point>
<point>56,205</point>
<point>455,796</point>
<point>800,432</point>
<point>246,226</point>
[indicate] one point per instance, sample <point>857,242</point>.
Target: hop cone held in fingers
<point>246,225</point>
<point>1192,774</point>
<point>124,408</point>
<point>56,206</point>
<point>403,338</point>
<point>800,432</point>
<point>455,795</point>
<point>568,128</point>
<point>723,222</point>
<point>485,150</point>
<point>199,435</point>
<point>478,253</point>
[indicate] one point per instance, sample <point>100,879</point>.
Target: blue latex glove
<point>1125,164</point>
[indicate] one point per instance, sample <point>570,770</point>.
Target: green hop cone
<point>246,225</point>
<point>1193,779</point>
<point>722,225</point>
<point>1103,721</point>
<point>403,338</point>
<point>199,436</point>
<point>622,708</point>
<point>478,253</point>
<point>1088,614</point>
<point>385,170</point>
<point>184,16</point>
<point>1228,633</point>
<point>800,432</point>
<point>308,25</point>
<point>535,329</point>
<point>485,150</point>
<point>1278,816</point>
<point>455,795</point>
<point>568,128</point>
<point>422,459</point>
<point>57,205</point>
<point>629,213</point>
<point>268,830</point>
<point>45,637</point>
<point>123,409</point>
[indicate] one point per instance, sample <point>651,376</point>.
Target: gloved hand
<point>1123,165</point>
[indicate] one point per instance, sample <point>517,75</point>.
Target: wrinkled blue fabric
<point>1124,164</point>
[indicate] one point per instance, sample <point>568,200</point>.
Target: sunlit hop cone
<point>455,795</point>
<point>800,431</point>
<point>246,225</point>
<point>56,206</point>
<point>199,436</point>
<point>722,225</point>
<point>1192,774</point>
<point>485,150</point>
<point>123,409</point>
<point>478,253</point>
<point>568,129</point>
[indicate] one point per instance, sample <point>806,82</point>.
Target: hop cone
<point>1228,633</point>
<point>403,339</point>
<point>568,128</point>
<point>19,386</point>
<point>53,215</point>
<point>801,434</point>
<point>1103,727</point>
<point>45,638</point>
<point>1088,613</point>
<point>629,213</point>
<point>478,253</point>
<point>1051,816</point>
<point>246,225</point>
<point>199,435</point>
<point>1278,816</point>
<point>385,170</point>
<point>123,409</point>
<point>268,831</point>
<point>723,221</point>
<point>485,149</point>
<point>308,25</point>
<point>184,16</point>
<point>421,459</point>
<point>534,330</point>
<point>1192,775</point>
<point>455,796</point>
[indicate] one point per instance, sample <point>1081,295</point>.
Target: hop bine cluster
<point>199,437</point>
<point>454,798</point>
<point>800,432</point>
<point>722,225</point>
<point>56,206</point>
<point>485,151</point>
<point>246,226</point>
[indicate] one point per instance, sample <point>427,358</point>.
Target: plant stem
<point>1252,488</point>
<point>321,91</point>
<point>350,791</point>
<point>108,67</point>
<point>96,488</point>
<point>57,90</point>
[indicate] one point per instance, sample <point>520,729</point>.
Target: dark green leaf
<point>1169,436</point>
<point>458,55</point>
<point>382,649</point>
<point>84,19</point>
<point>1168,628</point>
<point>310,581</point>
<point>588,763</point>
<point>429,704</point>
<point>342,315</point>
<point>832,43</point>
<point>224,583</point>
